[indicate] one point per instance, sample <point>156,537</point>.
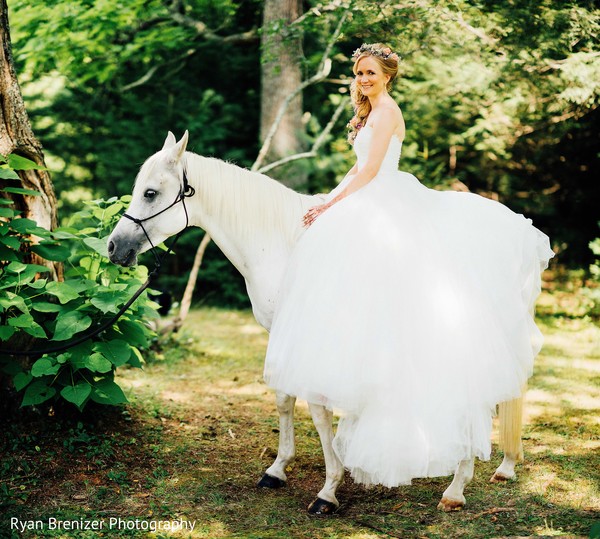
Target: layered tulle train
<point>409,311</point>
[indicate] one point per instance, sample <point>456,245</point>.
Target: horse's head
<point>155,212</point>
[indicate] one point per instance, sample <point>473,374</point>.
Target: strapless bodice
<point>362,145</point>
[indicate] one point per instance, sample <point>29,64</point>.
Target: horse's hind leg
<point>275,476</point>
<point>453,498</point>
<point>511,426</point>
<point>326,503</point>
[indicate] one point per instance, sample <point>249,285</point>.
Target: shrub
<point>592,292</point>
<point>93,290</point>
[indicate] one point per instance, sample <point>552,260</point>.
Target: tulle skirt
<point>410,312</point>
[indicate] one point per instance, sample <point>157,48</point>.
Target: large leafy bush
<point>54,313</point>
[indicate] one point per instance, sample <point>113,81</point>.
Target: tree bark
<point>281,74</point>
<point>16,136</point>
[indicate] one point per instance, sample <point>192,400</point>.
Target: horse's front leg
<point>275,476</point>
<point>453,498</point>
<point>326,503</point>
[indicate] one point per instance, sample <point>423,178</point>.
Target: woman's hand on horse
<point>313,213</point>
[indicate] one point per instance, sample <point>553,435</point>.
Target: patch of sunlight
<point>176,396</point>
<point>135,383</point>
<point>548,530</point>
<point>234,388</point>
<point>204,530</point>
<point>546,482</point>
<point>254,329</point>
<point>540,402</point>
<point>362,536</point>
<point>577,363</point>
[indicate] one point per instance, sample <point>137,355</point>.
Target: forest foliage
<point>57,313</point>
<point>499,97</point>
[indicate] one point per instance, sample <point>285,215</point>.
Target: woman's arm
<point>352,171</point>
<point>386,124</point>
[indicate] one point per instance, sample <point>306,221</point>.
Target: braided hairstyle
<point>388,61</point>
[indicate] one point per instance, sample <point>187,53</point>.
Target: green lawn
<point>202,427</point>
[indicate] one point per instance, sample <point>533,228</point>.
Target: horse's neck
<point>251,217</point>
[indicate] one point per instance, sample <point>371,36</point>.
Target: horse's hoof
<point>270,481</point>
<point>448,505</point>
<point>322,508</point>
<point>499,477</point>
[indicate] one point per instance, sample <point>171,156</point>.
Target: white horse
<point>256,221</point>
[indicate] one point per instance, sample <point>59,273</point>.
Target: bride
<point>407,310</point>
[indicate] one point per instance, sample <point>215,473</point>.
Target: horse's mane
<point>249,203</point>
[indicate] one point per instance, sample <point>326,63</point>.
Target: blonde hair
<point>388,62</point>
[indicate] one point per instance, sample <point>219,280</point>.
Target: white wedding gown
<point>409,311</point>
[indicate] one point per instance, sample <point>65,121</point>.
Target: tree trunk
<point>16,136</point>
<point>281,74</point>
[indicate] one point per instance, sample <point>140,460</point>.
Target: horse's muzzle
<point>121,256</point>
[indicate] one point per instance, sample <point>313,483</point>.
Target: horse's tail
<point>511,426</point>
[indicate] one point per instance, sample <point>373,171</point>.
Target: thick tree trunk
<point>281,75</point>
<point>16,136</point>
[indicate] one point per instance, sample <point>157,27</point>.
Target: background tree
<point>281,74</point>
<point>500,98</point>
<point>17,138</point>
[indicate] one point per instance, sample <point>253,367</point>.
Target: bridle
<point>185,191</point>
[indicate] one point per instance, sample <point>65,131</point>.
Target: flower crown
<point>383,52</point>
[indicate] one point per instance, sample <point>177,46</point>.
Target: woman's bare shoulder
<point>389,111</point>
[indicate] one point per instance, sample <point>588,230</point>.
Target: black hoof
<point>322,508</point>
<point>269,481</point>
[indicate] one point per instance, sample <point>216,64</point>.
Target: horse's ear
<point>179,148</point>
<point>170,141</point>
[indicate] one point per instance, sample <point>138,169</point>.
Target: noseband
<point>185,191</point>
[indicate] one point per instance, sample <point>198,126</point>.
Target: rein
<point>185,191</point>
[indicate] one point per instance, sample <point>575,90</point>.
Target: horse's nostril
<point>111,247</point>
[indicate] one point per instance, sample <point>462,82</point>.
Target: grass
<point>202,427</point>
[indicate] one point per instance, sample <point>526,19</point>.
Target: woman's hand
<point>313,213</point>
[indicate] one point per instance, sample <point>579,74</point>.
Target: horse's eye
<point>150,193</point>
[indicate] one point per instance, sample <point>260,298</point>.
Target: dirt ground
<point>201,428</point>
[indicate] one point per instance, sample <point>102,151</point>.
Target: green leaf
<point>44,366</point>
<point>17,162</point>
<point>21,321</point>
<point>107,392</point>
<point>21,380</point>
<point>77,394</point>
<point>64,234</point>
<point>12,300</point>
<point>68,324</point>
<point>12,241</point>
<point>37,392</point>
<point>134,333</point>
<point>16,267</point>
<point>52,251</point>
<point>7,254</point>
<point>7,213</point>
<point>46,307</point>
<point>117,351</point>
<point>6,332</point>
<point>21,191</point>
<point>136,359</point>
<point>39,284</point>
<point>26,226</point>
<point>97,244</point>
<point>79,285</point>
<point>106,302</point>
<point>8,174</point>
<point>98,363</point>
<point>62,291</point>
<point>36,331</point>
<point>77,356</point>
